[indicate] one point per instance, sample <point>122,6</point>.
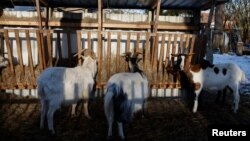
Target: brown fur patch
<point>196,68</point>
<point>197,86</point>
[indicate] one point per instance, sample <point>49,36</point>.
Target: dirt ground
<point>166,119</point>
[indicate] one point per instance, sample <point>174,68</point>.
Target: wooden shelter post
<point>155,28</point>
<point>209,52</point>
<point>99,52</point>
<point>39,14</point>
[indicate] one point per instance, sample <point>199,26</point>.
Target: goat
<point>3,62</point>
<point>64,86</point>
<point>213,77</point>
<point>126,93</point>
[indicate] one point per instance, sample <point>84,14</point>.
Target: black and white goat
<point>126,93</point>
<point>212,77</point>
<point>65,86</point>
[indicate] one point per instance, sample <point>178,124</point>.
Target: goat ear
<point>138,60</point>
<point>204,64</point>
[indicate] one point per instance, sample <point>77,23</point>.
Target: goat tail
<point>244,79</point>
<point>108,101</point>
<point>40,91</point>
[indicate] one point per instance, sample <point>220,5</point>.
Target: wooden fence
<point>56,48</point>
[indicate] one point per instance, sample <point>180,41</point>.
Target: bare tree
<point>218,38</point>
<point>238,12</point>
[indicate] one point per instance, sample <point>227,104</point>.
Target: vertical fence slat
<point>155,58</point>
<point>49,42</point>
<point>69,46</point>
<point>168,55</point>
<point>99,57</point>
<point>79,46</point>
<point>10,56</point>
<point>187,43</point>
<point>89,40</point>
<point>31,65</point>
<point>128,46</point>
<point>181,44</point>
<point>191,51</point>
<point>108,54</point>
<point>38,36</point>
<point>146,51</point>
<point>161,58</point>
<point>19,51</point>
<point>137,42</point>
<point>118,52</point>
<point>59,47</point>
<point>43,49</point>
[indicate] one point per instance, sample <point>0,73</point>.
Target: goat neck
<point>133,66</point>
<point>90,64</point>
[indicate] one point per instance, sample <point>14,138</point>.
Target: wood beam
<point>99,15</point>
<point>44,2</point>
<point>161,26</point>
<point>209,54</point>
<point>156,20</point>
<point>155,28</point>
<point>39,14</point>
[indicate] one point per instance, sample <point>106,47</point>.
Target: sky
<point>242,61</point>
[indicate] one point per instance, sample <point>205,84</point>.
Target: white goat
<point>215,77</point>
<point>60,85</point>
<point>3,62</point>
<point>125,94</point>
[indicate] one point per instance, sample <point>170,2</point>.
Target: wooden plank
<point>127,25</point>
<point>137,42</point>
<point>160,64</point>
<point>155,58</point>
<point>181,48</point>
<point>31,65</point>
<point>108,55</point>
<point>168,54</point>
<point>9,51</point>
<point>89,39</point>
<point>69,46</point>
<point>19,52</point>
<point>189,59</point>
<point>192,44</point>
<point>43,49</point>
<point>155,50</point>
<point>79,46</point>
<point>177,27</point>
<point>175,44</point>
<point>118,52</point>
<point>187,43</point>
<point>128,46</point>
<point>58,45</point>
<point>39,44</point>
<point>39,13</point>
<point>156,21</point>
<point>99,57</point>
<point>49,42</point>
<point>99,15</point>
<point>146,55</point>
<point>161,26</point>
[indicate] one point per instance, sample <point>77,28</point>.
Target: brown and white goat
<point>209,76</point>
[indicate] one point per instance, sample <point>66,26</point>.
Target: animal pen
<point>31,41</point>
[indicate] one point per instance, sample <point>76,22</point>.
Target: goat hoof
<point>88,117</point>
<point>52,134</point>
<point>110,138</point>
<point>121,138</point>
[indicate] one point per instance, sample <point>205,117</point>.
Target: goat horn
<point>135,55</point>
<point>82,51</point>
<point>126,54</point>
